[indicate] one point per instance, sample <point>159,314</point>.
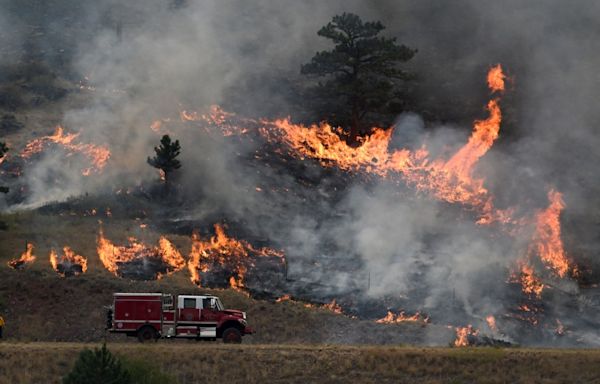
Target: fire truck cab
<point>150,316</point>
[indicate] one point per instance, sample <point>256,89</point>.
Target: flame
<point>401,317</point>
<point>450,180</point>
<point>333,307</point>
<point>491,321</point>
<point>284,298</point>
<point>462,336</point>
<point>27,257</point>
<point>98,155</point>
<point>495,79</point>
<point>112,256</point>
<point>215,117</point>
<point>68,258</point>
<point>547,242</point>
<point>222,250</point>
<point>530,283</point>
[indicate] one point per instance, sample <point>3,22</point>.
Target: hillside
<point>40,305</point>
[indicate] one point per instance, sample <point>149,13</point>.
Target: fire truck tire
<point>232,336</point>
<point>146,334</point>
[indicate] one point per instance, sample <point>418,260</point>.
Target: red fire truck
<point>149,316</point>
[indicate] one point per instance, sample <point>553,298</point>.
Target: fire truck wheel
<point>232,335</point>
<point>146,334</point>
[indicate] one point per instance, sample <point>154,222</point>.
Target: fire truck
<point>150,316</point>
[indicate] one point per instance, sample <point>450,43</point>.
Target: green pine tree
<point>166,156</point>
<point>99,366</point>
<point>361,72</point>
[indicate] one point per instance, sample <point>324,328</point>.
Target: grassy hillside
<point>208,363</point>
<point>40,305</point>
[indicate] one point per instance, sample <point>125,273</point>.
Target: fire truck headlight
<point>244,315</point>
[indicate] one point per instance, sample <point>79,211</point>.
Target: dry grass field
<point>209,363</point>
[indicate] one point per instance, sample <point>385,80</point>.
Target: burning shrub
<point>27,257</point>
<point>69,264</point>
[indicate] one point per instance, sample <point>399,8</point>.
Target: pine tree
<point>361,72</point>
<point>166,156</point>
<point>99,366</point>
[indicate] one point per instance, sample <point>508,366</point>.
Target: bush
<point>102,367</point>
<point>97,367</point>
<point>143,372</point>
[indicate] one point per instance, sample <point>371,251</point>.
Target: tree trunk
<point>354,126</point>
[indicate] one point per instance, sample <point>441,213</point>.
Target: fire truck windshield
<point>219,304</point>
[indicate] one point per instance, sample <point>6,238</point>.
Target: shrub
<point>97,367</point>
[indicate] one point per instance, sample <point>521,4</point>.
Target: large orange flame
<point>547,242</point>
<point>68,258</point>
<point>220,249</point>
<point>462,336</point>
<point>98,155</point>
<point>112,255</point>
<point>449,180</point>
<point>26,257</point>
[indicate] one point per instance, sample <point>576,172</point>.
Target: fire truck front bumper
<point>248,331</point>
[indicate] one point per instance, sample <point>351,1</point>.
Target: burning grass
<point>97,155</point>
<point>231,256</point>
<point>138,260</point>
<point>402,317</point>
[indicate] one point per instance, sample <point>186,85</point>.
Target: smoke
<point>148,60</point>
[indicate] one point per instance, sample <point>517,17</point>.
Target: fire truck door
<point>209,311</point>
<point>190,311</point>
